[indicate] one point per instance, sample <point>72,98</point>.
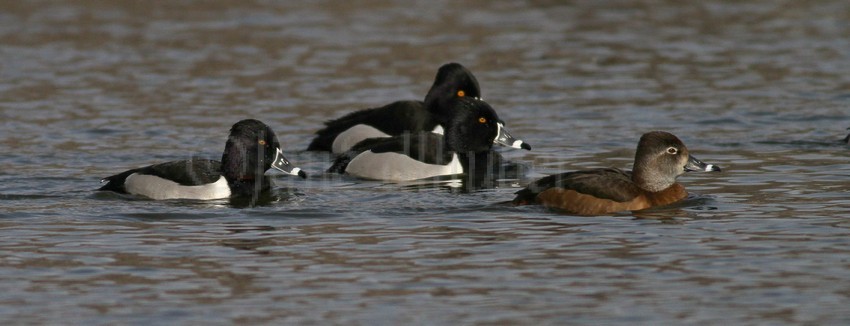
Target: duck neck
<point>241,171</point>
<point>479,163</point>
<point>458,145</point>
<point>652,182</point>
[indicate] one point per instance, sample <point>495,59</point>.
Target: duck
<point>465,148</point>
<point>251,149</point>
<point>453,80</point>
<point>661,157</point>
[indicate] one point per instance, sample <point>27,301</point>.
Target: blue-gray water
<point>91,88</point>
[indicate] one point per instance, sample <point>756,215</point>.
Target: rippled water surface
<point>92,88</point>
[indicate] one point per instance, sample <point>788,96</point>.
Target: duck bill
<point>504,138</point>
<point>696,165</point>
<point>280,163</point>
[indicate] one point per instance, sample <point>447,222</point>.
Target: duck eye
<point>262,142</point>
<point>672,150</point>
<point>461,93</point>
<point>482,120</point>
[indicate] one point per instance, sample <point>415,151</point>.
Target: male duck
<point>466,147</point>
<point>452,81</point>
<point>251,149</point>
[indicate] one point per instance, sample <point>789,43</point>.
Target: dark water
<point>91,88</point>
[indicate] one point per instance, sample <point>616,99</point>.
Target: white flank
<point>159,188</point>
<point>350,137</point>
<point>438,130</point>
<point>708,167</point>
<point>398,167</point>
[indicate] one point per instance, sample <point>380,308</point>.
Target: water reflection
<point>754,86</point>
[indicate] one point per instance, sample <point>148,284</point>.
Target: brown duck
<point>660,158</point>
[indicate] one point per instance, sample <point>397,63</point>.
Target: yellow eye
<point>262,142</point>
<point>461,93</point>
<point>482,120</point>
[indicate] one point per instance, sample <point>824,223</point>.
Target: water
<point>88,89</point>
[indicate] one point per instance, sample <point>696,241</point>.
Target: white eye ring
<point>672,150</point>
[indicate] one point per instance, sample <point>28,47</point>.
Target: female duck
<point>660,158</point>
<point>251,149</point>
<point>469,137</point>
